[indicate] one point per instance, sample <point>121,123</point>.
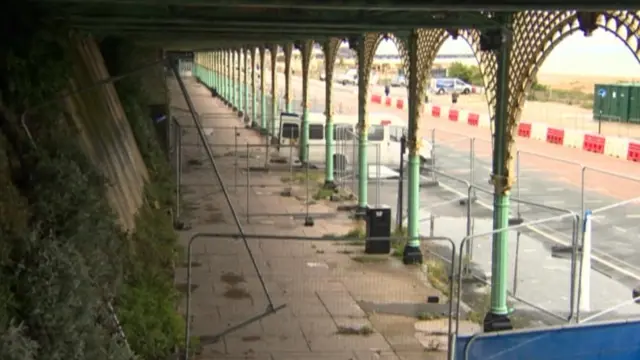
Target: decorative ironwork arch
<point>401,44</point>
<point>624,25</point>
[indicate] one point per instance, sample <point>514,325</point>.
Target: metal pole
<point>306,54</point>
<point>329,181</point>
<point>178,150</point>
<point>498,316</point>
<point>433,155</point>
<point>403,145</point>
<point>274,91</point>
<point>472,168</point>
<point>515,265</point>
<point>248,185</point>
<point>363,125</point>
<point>263,100</point>
<point>235,158</point>
<point>412,252</point>
<point>203,138</point>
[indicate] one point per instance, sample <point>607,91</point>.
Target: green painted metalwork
<point>227,82</point>
<point>245,83</point>
<point>500,253</point>
<point>330,49</point>
<point>305,51</point>
<point>288,50</point>
<point>363,125</point>
<point>413,226</point>
<point>234,83</point>
<point>273,50</point>
<point>254,98</point>
<point>263,103</point>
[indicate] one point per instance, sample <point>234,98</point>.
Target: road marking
<point>623,230</point>
<point>555,239</point>
<point>555,189</point>
<point>633,216</point>
<point>554,202</point>
<point>594,201</point>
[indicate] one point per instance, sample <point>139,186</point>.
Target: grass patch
<point>397,242</point>
<point>370,259</point>
<point>438,275</point>
<point>573,97</point>
<point>353,330</point>
<point>424,316</point>
<point>300,177</point>
<point>323,194</point>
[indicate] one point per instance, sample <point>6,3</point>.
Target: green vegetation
<point>574,97</point>
<point>147,306</point>
<point>64,260</point>
<point>467,73</point>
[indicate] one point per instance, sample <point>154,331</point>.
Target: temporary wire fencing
<point>233,312</point>
<point>461,262</point>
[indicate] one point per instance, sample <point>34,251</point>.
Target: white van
<point>443,86</point>
<point>385,132</point>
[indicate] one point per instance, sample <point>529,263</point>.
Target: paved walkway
<point>324,284</point>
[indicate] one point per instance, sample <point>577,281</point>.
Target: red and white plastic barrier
<point>590,142</point>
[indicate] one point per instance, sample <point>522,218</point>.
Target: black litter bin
<point>378,230</point>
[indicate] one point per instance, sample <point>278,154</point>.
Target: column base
<point>308,221</point>
<point>361,213</point>
<point>411,255</point>
<point>496,322</point>
<point>330,185</point>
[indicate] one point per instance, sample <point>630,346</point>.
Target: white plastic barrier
<point>573,138</point>
<point>444,112</point>
<point>616,146</point>
<point>426,109</point>
<point>539,131</point>
<point>485,121</point>
<point>463,116</point>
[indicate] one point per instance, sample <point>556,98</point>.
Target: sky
<point>600,54</point>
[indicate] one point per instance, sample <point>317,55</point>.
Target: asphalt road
<point>541,278</point>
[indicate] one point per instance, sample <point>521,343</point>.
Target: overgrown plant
<point>148,300</point>
<point>63,257</point>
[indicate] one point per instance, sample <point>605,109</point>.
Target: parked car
<point>348,78</point>
<point>399,81</point>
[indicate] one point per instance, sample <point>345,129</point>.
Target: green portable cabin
<point>617,102</point>
<point>634,104</point>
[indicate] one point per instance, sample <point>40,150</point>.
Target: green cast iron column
<point>305,51</point>
<point>232,78</point>
<point>263,100</point>
<point>246,85</point>
<point>216,69</point>
<point>239,95</point>
<point>236,77</point>
<point>412,253</point>
<point>210,69</point>
<point>225,71</point>
<point>234,68</point>
<point>330,49</point>
<point>254,98</point>
<point>219,73</point>
<point>288,50</point>
<point>363,127</point>
<point>497,318</point>
<point>274,89</point>
<point>240,83</point>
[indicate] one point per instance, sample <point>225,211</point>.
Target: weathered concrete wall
<point>104,131</point>
<point>154,84</point>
